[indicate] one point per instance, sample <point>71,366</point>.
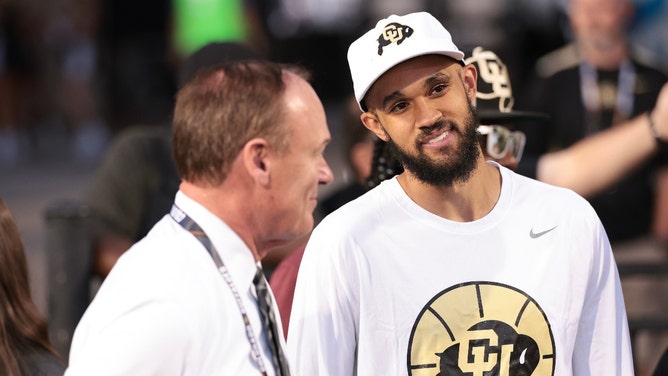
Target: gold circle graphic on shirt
<point>480,329</point>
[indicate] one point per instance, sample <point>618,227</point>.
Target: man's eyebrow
<point>390,98</point>
<point>434,78</point>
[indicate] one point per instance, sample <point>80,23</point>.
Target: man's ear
<point>256,160</point>
<point>470,81</point>
<point>372,123</point>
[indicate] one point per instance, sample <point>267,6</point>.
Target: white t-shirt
<point>165,309</point>
<point>388,288</point>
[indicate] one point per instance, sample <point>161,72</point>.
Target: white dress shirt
<point>165,309</point>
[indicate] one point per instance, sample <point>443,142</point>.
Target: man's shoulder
<point>163,244</point>
<point>649,78</point>
<point>558,61</point>
<point>646,62</point>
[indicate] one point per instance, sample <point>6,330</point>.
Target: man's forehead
<point>421,69</point>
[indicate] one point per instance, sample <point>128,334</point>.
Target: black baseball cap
<point>494,98</point>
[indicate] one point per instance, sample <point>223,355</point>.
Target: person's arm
<point>596,162</point>
<point>660,222</point>
<point>106,251</point>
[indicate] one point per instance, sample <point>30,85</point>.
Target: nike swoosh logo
<point>535,235</point>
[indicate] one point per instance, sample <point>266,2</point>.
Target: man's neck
<point>463,202</point>
<point>226,207</point>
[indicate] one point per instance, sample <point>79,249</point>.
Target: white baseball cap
<point>396,39</point>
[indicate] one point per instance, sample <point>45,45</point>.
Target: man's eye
<point>438,89</point>
<point>398,107</point>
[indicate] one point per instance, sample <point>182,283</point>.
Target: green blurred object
<point>198,22</point>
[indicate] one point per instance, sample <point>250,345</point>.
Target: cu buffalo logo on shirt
<point>481,328</point>
<point>393,33</point>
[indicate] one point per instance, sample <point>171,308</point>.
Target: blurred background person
<point>26,348</point>
<point>520,31</point>
<point>595,83</point>
<point>588,86</point>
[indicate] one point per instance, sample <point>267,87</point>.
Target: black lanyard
<point>191,226</point>
<point>589,89</point>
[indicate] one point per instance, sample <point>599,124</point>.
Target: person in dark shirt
<point>595,83</point>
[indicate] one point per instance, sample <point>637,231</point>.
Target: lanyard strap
<point>591,96</point>
<point>191,226</point>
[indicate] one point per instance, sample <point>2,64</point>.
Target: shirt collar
<point>235,254</point>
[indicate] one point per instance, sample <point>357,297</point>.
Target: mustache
<point>440,124</point>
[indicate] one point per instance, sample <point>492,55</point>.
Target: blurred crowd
<point>90,68</point>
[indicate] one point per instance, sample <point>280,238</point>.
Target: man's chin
<point>305,227</point>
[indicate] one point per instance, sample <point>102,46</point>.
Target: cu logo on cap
<point>393,33</point>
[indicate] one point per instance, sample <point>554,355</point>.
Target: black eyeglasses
<point>501,140</point>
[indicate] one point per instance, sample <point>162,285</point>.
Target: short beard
<point>448,173</point>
